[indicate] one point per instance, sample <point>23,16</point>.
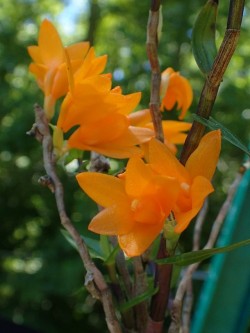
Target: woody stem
<point>214,78</point>
<point>94,280</point>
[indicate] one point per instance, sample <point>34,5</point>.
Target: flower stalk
<point>164,272</point>
<point>151,44</point>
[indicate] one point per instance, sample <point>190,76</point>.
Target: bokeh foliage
<point>41,276</point>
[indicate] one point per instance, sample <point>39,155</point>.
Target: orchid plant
<point>153,199</point>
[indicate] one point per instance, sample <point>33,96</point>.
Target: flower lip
<point>147,210</point>
<point>185,186</point>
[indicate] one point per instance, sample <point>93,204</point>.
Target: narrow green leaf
<point>93,247</point>
<point>189,258</point>
<point>105,246</point>
<point>138,299</point>
<point>92,244</point>
<point>111,258</point>
<point>226,134</point>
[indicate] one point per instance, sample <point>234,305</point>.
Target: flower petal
<point>173,130</point>
<point>139,239</point>
<point>78,50</point>
<point>39,71</point>
<point>175,89</point>
<point>85,107</point>
<point>166,190</point>
<point>126,103</point>
<point>200,189</point>
<point>138,175</point>
<point>60,83</point>
<point>35,54</point>
<point>91,66</point>
<point>114,220</point>
<point>140,118</point>
<point>112,149</point>
<point>121,147</point>
<point>203,161</point>
<point>147,210</point>
<point>165,163</point>
<point>104,189</point>
<point>49,42</point>
<point>117,151</point>
<point>141,134</point>
<point>108,129</point>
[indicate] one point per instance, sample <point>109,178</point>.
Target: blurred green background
<point>41,275</point>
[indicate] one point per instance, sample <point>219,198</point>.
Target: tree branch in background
<point>213,80</point>
<point>94,18</point>
<point>185,282</point>
<point>94,281</point>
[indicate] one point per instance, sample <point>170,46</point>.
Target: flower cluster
<point>138,203</point>
<point>99,117</point>
<point>101,114</point>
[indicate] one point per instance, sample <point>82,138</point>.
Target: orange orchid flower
<point>137,205</point>
<point>175,89</point>
<point>194,178</point>
<point>101,114</point>
<point>49,66</point>
<point>174,131</point>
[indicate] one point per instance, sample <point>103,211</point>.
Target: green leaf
<point>226,134</point>
<point>92,244</point>
<point>189,258</point>
<point>138,299</point>
<point>111,258</point>
<point>105,246</point>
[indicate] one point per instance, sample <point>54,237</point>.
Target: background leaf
<point>138,299</point>
<point>226,134</point>
<point>92,244</point>
<point>189,258</point>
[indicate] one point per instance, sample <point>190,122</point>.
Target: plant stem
<point>213,80</point>
<point>163,272</point>
<point>140,287</point>
<point>128,316</point>
<point>152,43</point>
<point>94,280</point>
<point>160,299</point>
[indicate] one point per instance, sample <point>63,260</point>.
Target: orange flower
<point>194,178</point>
<point>49,66</point>
<point>101,115</point>
<point>135,208</point>
<point>137,204</point>
<point>175,89</point>
<point>173,130</point>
